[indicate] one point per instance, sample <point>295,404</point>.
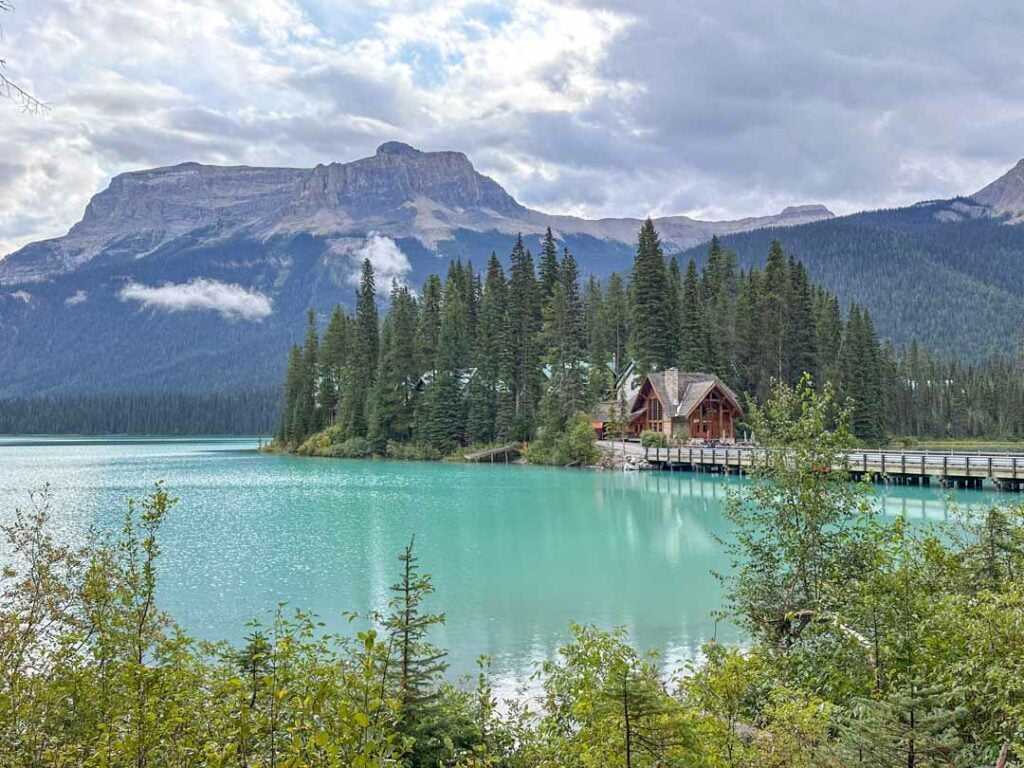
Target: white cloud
<point>230,300</point>
<point>388,261</point>
<point>595,107</point>
<point>76,298</point>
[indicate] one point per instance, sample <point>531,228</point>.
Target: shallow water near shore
<point>516,552</point>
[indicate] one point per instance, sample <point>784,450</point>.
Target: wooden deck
<point>503,454</point>
<point>964,470</point>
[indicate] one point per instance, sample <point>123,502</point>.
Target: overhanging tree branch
<point>11,90</point>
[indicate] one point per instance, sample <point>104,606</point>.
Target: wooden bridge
<point>961,470</point>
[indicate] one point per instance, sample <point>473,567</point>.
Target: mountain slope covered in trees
<point>955,283</point>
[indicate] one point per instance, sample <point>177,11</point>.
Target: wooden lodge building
<point>682,406</point>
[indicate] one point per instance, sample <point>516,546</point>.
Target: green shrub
<point>577,445</point>
<point>650,439</point>
<point>353,448</point>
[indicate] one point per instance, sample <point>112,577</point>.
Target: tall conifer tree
<point>693,334</point>
<point>361,371</point>
<point>649,305</point>
<point>523,313</point>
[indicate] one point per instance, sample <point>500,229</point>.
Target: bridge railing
<point>886,462</point>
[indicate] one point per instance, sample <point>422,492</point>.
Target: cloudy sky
<point>724,109</point>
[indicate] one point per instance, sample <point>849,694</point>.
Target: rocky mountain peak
<point>398,175</point>
<point>1005,195</point>
<point>397,148</point>
<point>813,210</point>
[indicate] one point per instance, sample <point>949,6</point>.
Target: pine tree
<point>391,404</point>
<point>649,307</point>
<point>617,321</point>
<point>563,335</point>
<point>800,333</point>
<point>693,334</point>
<point>829,337</point>
<point>445,426</point>
<point>418,664</point>
<point>523,312</point>
<point>549,277</point>
<point>287,432</point>
<point>364,356</point>
<point>598,353</point>
<point>861,376</point>
<point>490,347</point>
<point>305,418</point>
<point>674,307</point>
<point>719,293</point>
<point>775,315</point>
<point>384,404</point>
<point>428,334</point>
<point>333,355</point>
<point>748,336</point>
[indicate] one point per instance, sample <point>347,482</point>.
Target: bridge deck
<point>1005,470</point>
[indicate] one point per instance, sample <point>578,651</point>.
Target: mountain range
<point>196,277</point>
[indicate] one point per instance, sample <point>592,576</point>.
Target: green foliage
<point>606,705</point>
<point>649,439</point>
<point>575,446</point>
<point>351,448</point>
<point>801,524</point>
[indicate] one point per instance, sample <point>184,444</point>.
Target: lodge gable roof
<point>681,392</point>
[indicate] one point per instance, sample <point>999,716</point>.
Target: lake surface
<point>516,552</point>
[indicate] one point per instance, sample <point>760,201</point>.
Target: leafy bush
<point>650,439</point>
<point>577,445</point>
<point>353,448</point>
<point>320,443</point>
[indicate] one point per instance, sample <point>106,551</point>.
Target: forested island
<point>870,642</point>
<point>527,353</point>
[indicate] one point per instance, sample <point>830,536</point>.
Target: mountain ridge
<point>399,192</point>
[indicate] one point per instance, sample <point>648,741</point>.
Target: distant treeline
<point>243,412</point>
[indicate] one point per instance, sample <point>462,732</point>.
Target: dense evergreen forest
<point>870,643</point>
<point>253,412</point>
<point>954,286</point>
<point>481,357</point>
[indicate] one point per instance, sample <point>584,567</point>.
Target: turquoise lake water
<point>516,552</point>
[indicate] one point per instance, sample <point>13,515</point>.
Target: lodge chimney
<point>671,376</point>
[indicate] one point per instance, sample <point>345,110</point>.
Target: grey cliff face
<point>1005,195</point>
<point>399,174</point>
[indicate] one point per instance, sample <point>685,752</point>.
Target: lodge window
<point>654,414</point>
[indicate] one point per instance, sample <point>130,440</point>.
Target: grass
<point>962,444</point>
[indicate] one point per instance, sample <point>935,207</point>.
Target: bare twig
<point>11,90</point>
